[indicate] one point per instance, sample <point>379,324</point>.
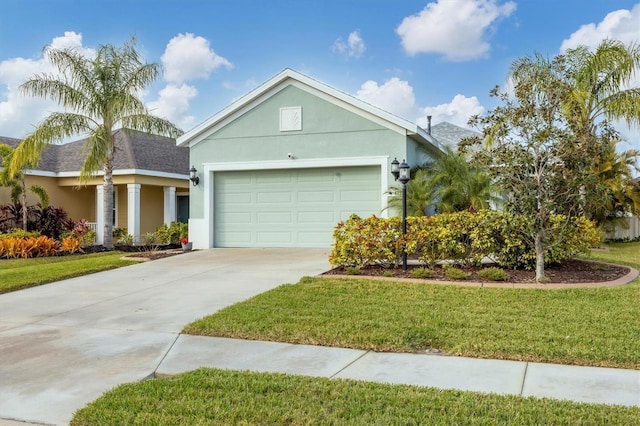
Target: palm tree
<point>459,185</point>
<point>420,195</point>
<point>99,95</point>
<point>600,85</point>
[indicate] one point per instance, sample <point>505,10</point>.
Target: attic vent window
<point>290,119</point>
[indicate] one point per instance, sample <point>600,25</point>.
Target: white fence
<point>630,230</point>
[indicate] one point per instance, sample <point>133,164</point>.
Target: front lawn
<point>582,326</point>
<point>16,274</point>
<point>209,396</point>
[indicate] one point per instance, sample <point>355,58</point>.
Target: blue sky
<point>412,58</point>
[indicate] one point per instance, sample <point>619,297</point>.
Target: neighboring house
<point>282,165</point>
<point>150,176</point>
<point>450,135</point>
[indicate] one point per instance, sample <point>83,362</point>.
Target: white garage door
<point>290,208</point>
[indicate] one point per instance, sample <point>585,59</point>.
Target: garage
<point>290,207</point>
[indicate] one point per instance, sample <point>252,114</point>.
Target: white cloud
<point>395,96</point>
<point>173,104</point>
<point>353,48</point>
<point>623,25</point>
<point>19,114</point>
<point>189,57</point>
<point>457,112</point>
<point>457,29</point>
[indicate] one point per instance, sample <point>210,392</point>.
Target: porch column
<point>133,211</point>
<point>169,204</point>
<point>99,214</point>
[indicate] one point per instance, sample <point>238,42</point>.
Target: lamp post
<point>402,172</point>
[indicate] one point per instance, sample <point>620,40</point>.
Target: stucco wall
<point>151,208</point>
<point>328,131</point>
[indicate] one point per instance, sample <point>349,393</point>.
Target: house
<point>282,165</point>
<point>150,175</point>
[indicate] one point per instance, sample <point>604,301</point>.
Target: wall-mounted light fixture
<point>193,176</point>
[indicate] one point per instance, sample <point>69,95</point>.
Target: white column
<point>169,204</point>
<point>99,214</point>
<point>133,211</point>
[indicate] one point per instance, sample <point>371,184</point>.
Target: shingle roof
<point>134,150</point>
<point>12,142</point>
<point>449,134</point>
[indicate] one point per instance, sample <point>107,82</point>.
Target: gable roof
<point>135,152</point>
<point>450,135</point>
<point>290,77</point>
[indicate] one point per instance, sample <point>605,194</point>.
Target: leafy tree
<point>99,95</point>
<point>598,85</point>
<point>18,185</point>
<point>524,155</point>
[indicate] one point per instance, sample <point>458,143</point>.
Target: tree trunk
<point>25,220</point>
<point>539,244</point>
<point>107,236</point>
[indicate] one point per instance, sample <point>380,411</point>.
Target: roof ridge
<point>127,149</point>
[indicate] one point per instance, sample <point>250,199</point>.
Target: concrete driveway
<point>63,344</point>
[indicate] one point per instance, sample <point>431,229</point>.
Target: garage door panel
<point>274,237</point>
<point>275,178</point>
<point>273,197</point>
<point>315,196</point>
<point>316,217</point>
<point>236,198</point>
<point>274,217</point>
<point>290,208</point>
<point>359,196</point>
<point>236,217</point>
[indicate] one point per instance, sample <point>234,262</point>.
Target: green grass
<point>580,326</point>
<point>16,274</point>
<point>219,397</point>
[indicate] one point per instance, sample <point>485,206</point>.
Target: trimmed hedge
<point>462,237</point>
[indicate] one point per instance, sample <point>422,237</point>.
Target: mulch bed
<point>568,272</point>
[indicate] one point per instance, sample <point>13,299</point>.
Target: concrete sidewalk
<point>64,344</point>
<point>581,384</point>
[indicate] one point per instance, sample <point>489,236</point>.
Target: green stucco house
<point>281,166</point>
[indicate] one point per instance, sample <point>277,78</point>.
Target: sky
<point>411,58</point>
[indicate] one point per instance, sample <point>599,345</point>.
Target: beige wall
<point>80,202</point>
<point>151,208</point>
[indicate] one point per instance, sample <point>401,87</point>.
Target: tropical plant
<point>99,94</point>
<point>16,182</point>
<point>598,91</point>
<point>459,185</point>
<point>420,195</point>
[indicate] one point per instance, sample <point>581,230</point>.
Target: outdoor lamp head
<point>193,176</point>
<point>404,172</point>
<point>394,168</point>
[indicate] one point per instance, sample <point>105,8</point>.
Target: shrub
<point>82,232</point>
<point>125,240</point>
<point>119,233</point>
<point>422,273</point>
<point>456,274</point>
<point>463,238</point>
<point>19,233</point>
<point>371,241</point>
<point>493,274</point>
<point>173,233</point>
<point>70,245</point>
<point>353,270</point>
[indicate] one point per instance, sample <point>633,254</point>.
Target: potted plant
<point>186,244</point>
